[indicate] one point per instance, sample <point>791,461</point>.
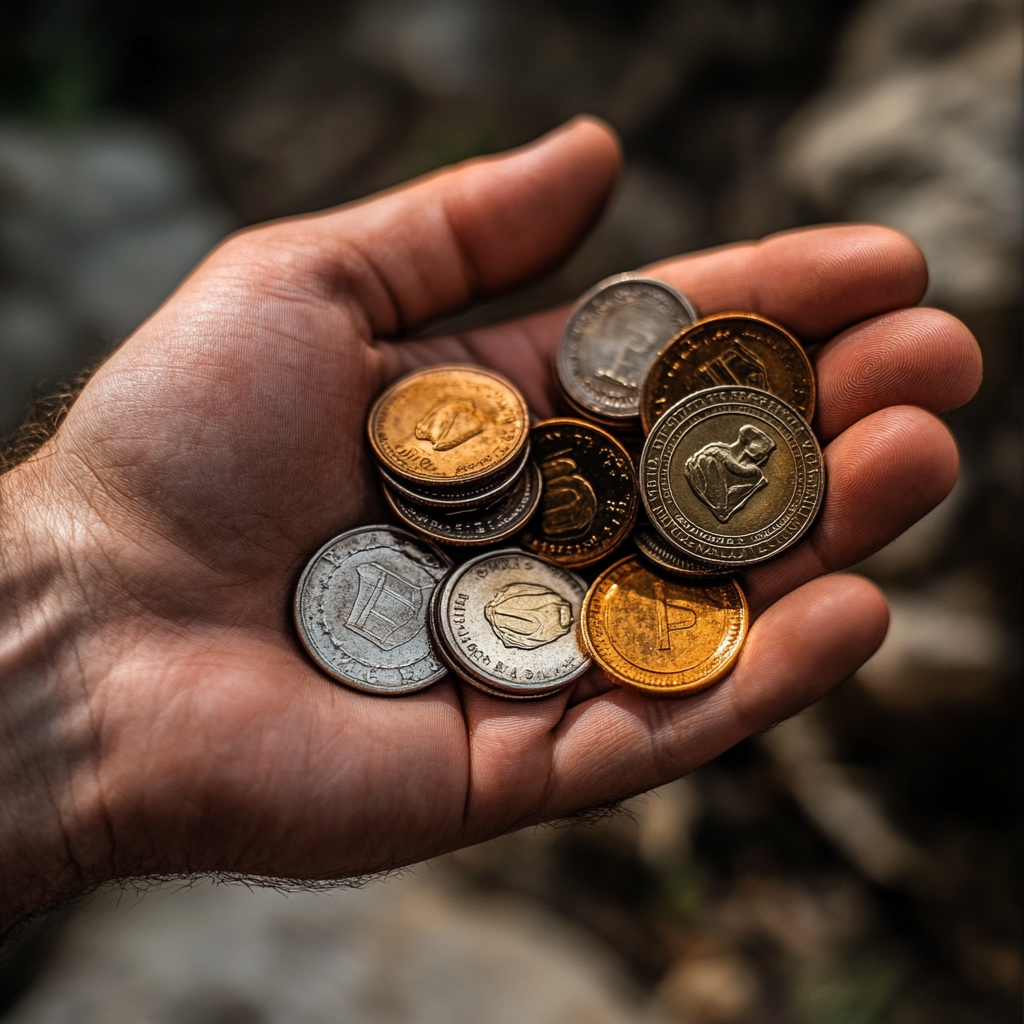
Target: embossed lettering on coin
<point>662,635</point>
<point>729,349</point>
<point>731,476</point>
<point>666,557</point>
<point>574,526</point>
<point>610,340</point>
<point>448,425</point>
<point>361,609</point>
<point>508,622</point>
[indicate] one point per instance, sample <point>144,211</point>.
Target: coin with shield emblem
<point>508,622</point>
<point>361,609</point>
<point>612,337</point>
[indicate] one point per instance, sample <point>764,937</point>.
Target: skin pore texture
<point>158,714</point>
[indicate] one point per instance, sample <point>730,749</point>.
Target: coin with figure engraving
<point>740,349</point>
<point>731,476</point>
<point>454,499</point>
<point>666,557</point>
<point>449,425</point>
<point>361,609</point>
<point>508,622</point>
<point>487,524</point>
<point>589,499</point>
<point>611,338</point>
<point>660,635</point>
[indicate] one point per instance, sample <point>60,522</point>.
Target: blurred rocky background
<point>857,865</point>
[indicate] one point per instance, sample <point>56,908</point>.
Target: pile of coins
<point>690,454</point>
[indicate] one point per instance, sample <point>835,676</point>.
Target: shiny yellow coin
<point>446,425</point>
<point>660,635</point>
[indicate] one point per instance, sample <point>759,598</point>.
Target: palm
<point>224,443</point>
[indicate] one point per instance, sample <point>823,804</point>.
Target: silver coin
<point>510,622</point>
<point>361,609</point>
<point>611,339</point>
<point>454,498</point>
<point>663,555</point>
<point>485,525</point>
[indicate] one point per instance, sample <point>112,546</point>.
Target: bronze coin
<point>448,425</point>
<point>661,635</point>
<point>665,557</point>
<point>485,525</point>
<point>589,499</point>
<point>724,350</point>
<point>731,476</point>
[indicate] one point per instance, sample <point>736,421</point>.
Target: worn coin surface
<point>453,499</point>
<point>666,557</point>
<point>487,524</point>
<point>449,425</point>
<point>361,609</point>
<point>612,337</point>
<point>509,622</point>
<point>589,499</point>
<point>729,349</point>
<point>663,635</point>
<point>731,476</point>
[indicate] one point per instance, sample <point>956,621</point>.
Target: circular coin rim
<point>532,480</point>
<point>468,478</point>
<point>617,675</point>
<point>629,522</point>
<point>705,572</point>
<point>648,419</point>
<point>563,373</point>
<point>741,562</point>
<point>443,592</point>
<point>310,648</point>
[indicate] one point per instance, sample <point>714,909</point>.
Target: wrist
<point>53,835</point>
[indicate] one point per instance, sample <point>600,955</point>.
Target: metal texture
<point>610,340</point>
<point>488,524</point>
<point>447,425</point>
<point>662,635</point>
<point>665,557</point>
<point>729,349</point>
<point>509,622</point>
<point>589,500</point>
<point>361,609</point>
<point>731,476</point>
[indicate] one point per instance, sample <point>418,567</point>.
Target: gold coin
<point>447,425</point>
<point>589,500</point>
<point>729,349</point>
<point>660,635</point>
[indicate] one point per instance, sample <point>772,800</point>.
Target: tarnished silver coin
<point>662,555</point>
<point>454,499</point>
<point>509,623</point>
<point>732,476</point>
<point>610,341</point>
<point>485,525</point>
<point>361,609</point>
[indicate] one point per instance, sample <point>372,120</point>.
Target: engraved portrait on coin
<point>508,622</point>
<point>727,350</point>
<point>731,476</point>
<point>662,635</point>
<point>361,609</point>
<point>574,526</point>
<point>610,340</point>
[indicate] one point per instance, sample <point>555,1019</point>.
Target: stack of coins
<point>690,454</point>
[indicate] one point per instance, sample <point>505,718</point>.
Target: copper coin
<point>611,338</point>
<point>449,425</point>
<point>731,476</point>
<point>665,557</point>
<point>589,498</point>
<point>485,525</point>
<point>727,349</point>
<point>661,635</point>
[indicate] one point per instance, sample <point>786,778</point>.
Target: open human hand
<point>159,714</point>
